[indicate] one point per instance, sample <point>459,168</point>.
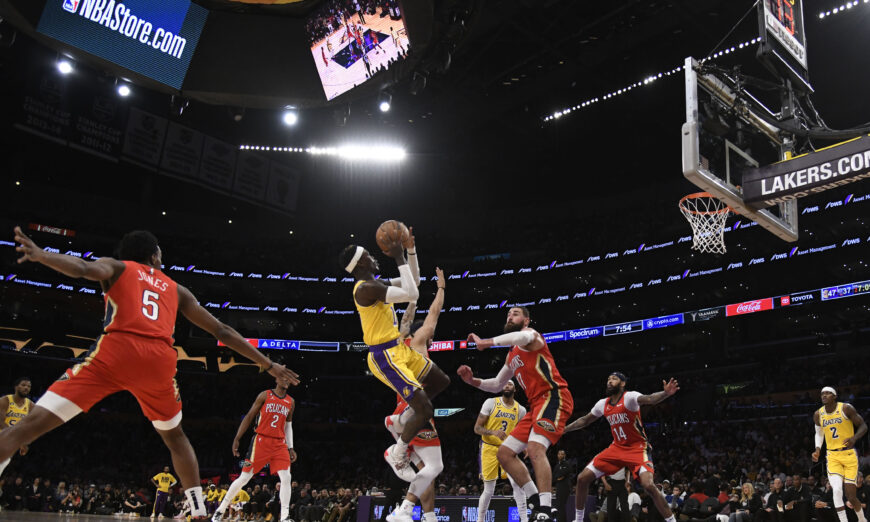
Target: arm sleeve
<point>288,434</point>
<point>522,412</point>
<point>631,401</point>
<point>488,406</point>
<point>521,338</point>
<point>405,293</point>
<point>819,437</point>
<point>496,383</point>
<point>598,409</point>
<point>414,263</point>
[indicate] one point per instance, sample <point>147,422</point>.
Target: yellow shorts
<point>845,464</point>
<point>400,368</point>
<point>489,466</point>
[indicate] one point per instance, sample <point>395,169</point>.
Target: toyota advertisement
<point>155,38</point>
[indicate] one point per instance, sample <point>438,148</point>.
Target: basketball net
<point>707,215</point>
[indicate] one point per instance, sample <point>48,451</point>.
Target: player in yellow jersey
<point>163,482</point>
<point>412,376</point>
<point>15,407</point>
<point>498,416</point>
<point>839,426</point>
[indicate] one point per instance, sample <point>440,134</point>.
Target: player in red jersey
<point>134,353</point>
<point>630,447</point>
<point>271,444</point>
<point>550,405</point>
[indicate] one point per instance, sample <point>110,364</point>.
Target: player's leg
<point>646,481</point>
<point>435,381</point>
<point>185,464</point>
<point>285,493</point>
<point>433,465</point>
<point>537,452</point>
<point>520,499</point>
<point>427,502</point>
<point>586,477</point>
<point>485,498</point>
<point>549,423</point>
<point>39,422</point>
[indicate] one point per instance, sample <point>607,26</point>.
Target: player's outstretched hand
<point>410,242</point>
<point>474,338</point>
<point>442,281</point>
<point>236,448</point>
<point>465,373</point>
<point>27,247</point>
<point>279,371</point>
<point>671,387</point>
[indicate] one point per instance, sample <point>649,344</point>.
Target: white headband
<point>356,257</point>
<point>829,389</point>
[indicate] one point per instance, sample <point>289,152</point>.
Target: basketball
<point>389,232</point>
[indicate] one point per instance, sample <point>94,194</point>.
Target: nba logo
<point>71,5</point>
<point>786,300</point>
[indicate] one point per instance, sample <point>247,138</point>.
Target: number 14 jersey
<point>624,418</point>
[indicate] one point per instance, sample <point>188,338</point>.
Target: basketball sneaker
<point>400,464</point>
<point>399,516</point>
<point>217,517</point>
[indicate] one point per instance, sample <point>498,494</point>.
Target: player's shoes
<point>392,424</point>
<point>397,516</point>
<point>217,517</point>
<point>540,516</point>
<point>400,464</point>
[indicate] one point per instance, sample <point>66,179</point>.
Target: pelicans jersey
<point>143,301</point>
<point>630,448</point>
<point>837,427</point>
<point>268,445</point>
<point>135,351</point>
<point>390,360</point>
<point>549,399</point>
<point>14,412</point>
<point>500,417</point>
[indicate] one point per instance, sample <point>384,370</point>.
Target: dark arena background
<point>539,150</point>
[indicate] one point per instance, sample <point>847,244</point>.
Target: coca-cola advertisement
<point>749,307</point>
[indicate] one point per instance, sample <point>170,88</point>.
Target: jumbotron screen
<point>351,40</point>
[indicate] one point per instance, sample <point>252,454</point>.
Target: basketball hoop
<point>707,215</point>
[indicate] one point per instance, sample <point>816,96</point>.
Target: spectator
<point>634,502</point>
<point>601,502</point>
<point>774,504</point>
<point>747,507</point>
<point>615,488</point>
<point>797,501</point>
<point>133,505</point>
<point>675,500</point>
<point>72,503</point>
<point>59,495</point>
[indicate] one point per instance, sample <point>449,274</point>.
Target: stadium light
<point>362,153</point>
<point>64,66</point>
<point>123,90</point>
<point>290,117</point>
<point>385,100</point>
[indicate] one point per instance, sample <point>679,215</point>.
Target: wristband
<point>271,364</point>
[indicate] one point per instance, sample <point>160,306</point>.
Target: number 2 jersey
<point>273,415</point>
<point>143,301</point>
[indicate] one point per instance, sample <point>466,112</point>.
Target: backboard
<point>724,135</point>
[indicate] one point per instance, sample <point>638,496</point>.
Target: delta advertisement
<point>155,38</point>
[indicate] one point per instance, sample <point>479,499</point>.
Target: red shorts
<point>614,458</point>
<point>549,415</point>
<point>267,450</point>
<point>120,361</point>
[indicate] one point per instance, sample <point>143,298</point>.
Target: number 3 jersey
<point>143,301</point>
<point>273,415</point>
<point>624,418</point>
<point>501,417</point>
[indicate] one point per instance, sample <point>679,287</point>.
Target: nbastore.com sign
<point>155,38</point>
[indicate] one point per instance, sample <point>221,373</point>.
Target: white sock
<point>530,489</point>
<point>407,506</point>
<point>859,512</point>
<point>197,503</point>
<point>580,513</point>
<point>485,497</point>
<point>842,515</point>
<point>520,499</point>
<point>671,518</point>
<point>546,499</point>
<point>4,464</point>
<point>235,487</point>
<point>429,517</point>
<point>284,493</point>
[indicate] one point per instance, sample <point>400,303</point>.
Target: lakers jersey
<point>379,322</point>
<point>14,412</point>
<point>836,426</point>
<point>164,481</point>
<point>501,417</point>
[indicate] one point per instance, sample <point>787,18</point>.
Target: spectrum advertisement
<point>155,38</point>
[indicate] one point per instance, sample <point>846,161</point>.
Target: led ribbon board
<point>155,38</point>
